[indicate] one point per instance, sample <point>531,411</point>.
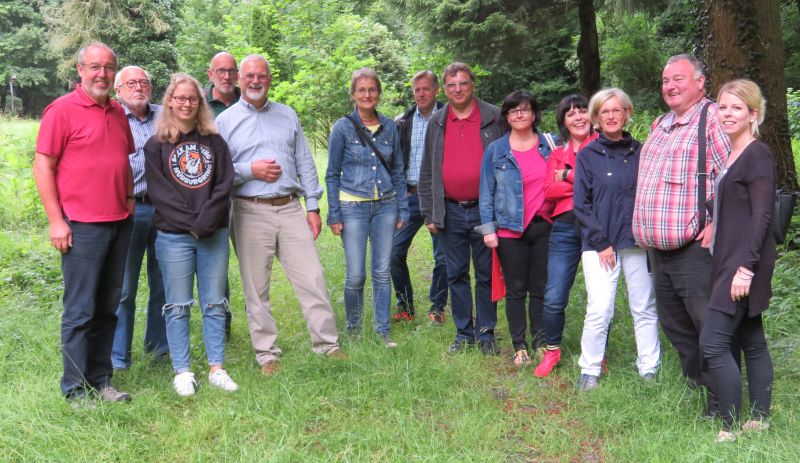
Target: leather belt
<point>463,204</point>
<point>142,199</point>
<point>411,189</point>
<point>276,201</point>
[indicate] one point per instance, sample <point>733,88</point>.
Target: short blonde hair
<point>166,127</point>
<point>749,92</point>
<point>599,98</point>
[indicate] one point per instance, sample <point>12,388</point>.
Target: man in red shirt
<point>448,188</point>
<point>85,183</point>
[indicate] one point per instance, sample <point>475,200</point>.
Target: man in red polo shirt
<point>85,183</point>
<point>448,188</point>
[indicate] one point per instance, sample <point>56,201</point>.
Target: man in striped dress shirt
<point>274,168</point>
<point>133,89</point>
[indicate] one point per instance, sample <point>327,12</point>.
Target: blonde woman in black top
<point>744,255</point>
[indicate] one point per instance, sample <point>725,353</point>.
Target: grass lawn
<point>413,403</point>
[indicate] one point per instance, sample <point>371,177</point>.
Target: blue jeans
<point>143,239</point>
<point>459,239</point>
<point>563,256</point>
<point>400,276</point>
<point>181,256</point>
<point>93,270</point>
<point>373,220</point>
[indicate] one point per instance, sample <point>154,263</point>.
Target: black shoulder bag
<point>782,214</point>
<point>366,140</point>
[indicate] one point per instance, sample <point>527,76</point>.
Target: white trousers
<point>601,287</point>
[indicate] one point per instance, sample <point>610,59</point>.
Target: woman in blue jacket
<point>515,216</point>
<point>366,198</point>
<point>605,187</point>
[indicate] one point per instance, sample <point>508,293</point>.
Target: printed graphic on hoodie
<point>191,164</point>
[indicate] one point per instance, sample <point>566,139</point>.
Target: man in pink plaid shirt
<point>666,218</point>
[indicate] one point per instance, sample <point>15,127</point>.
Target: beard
<point>256,94</point>
<point>96,92</point>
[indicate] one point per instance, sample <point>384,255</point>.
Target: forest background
<point>415,403</point>
<point>551,47</point>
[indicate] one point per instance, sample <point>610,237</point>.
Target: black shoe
<point>489,348</point>
<point>459,345</point>
<point>711,411</point>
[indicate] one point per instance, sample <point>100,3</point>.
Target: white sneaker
<point>184,384</point>
<point>221,380</point>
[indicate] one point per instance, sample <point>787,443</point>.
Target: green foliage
<point>790,20</point>
<point>793,110</point>
<point>525,44</point>
<point>632,57</point>
<point>140,32</point>
<point>19,201</point>
<point>25,55</point>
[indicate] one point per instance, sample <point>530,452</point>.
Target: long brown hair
<point>166,126</point>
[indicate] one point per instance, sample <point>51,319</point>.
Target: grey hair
<point>82,51</point>
<point>249,58</point>
<point>118,77</point>
<point>699,66</point>
<point>364,73</point>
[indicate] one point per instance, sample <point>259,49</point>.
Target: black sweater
<point>746,199</point>
<point>189,183</point>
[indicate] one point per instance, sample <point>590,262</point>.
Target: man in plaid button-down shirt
<point>666,217</point>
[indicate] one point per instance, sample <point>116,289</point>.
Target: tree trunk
<point>740,39</point>
<point>588,50</point>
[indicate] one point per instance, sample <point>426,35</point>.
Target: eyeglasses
<point>94,67</point>
<point>454,85</point>
<point>365,91</point>
<point>193,100</point>
<point>222,71</point>
<point>260,77</point>
<point>144,83</point>
<point>616,112</point>
<point>519,111</point>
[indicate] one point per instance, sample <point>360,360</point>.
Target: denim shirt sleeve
<point>399,175</point>
<point>488,187</point>
<point>333,174</point>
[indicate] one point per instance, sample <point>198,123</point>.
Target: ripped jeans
<point>180,257</point>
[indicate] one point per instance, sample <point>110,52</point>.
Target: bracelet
<point>744,272</point>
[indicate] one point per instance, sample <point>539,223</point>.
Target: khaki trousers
<point>261,232</point>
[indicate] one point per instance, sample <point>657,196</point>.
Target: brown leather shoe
<point>337,354</point>
<point>271,367</point>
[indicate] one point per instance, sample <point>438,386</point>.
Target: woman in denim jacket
<point>515,215</point>
<point>366,199</point>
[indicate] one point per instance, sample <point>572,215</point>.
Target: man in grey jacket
<point>448,189</point>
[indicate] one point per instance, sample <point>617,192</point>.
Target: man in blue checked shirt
<point>133,88</point>
<point>274,169</point>
<point>412,125</point>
